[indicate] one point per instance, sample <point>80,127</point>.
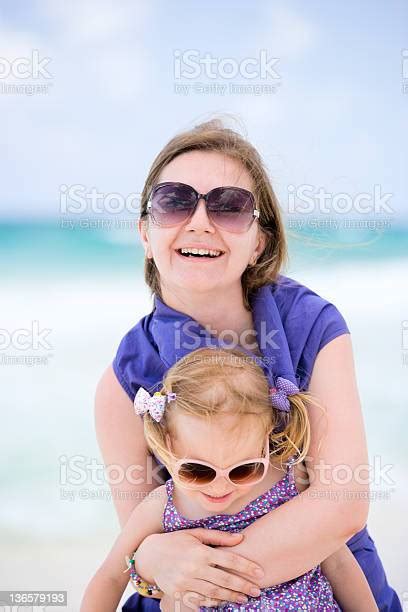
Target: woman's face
<point>203,170</point>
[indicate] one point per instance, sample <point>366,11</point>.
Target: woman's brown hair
<point>213,136</point>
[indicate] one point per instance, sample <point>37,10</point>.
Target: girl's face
<point>216,442</point>
<point>203,170</point>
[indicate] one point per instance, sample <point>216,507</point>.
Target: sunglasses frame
<point>204,196</point>
<point>222,473</point>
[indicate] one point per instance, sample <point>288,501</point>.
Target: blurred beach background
<point>330,116</point>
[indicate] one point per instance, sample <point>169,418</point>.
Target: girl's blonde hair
<point>211,382</point>
<point>213,136</point>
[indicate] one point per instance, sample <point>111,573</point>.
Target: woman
<point>214,270</point>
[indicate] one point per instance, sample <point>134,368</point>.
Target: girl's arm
<point>309,528</point>
<point>104,591</point>
<point>348,582</point>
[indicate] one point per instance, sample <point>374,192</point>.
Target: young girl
<point>234,448</point>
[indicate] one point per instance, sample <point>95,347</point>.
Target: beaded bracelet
<point>142,587</point>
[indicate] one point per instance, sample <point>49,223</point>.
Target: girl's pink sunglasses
<point>193,474</point>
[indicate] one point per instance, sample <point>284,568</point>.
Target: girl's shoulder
<point>146,517</point>
<point>157,498</point>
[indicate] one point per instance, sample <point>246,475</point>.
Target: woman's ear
<point>144,237</point>
<point>260,247</point>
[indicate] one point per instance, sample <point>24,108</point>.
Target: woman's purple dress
<point>292,324</point>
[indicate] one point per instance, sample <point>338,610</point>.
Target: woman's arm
<point>107,586</point>
<point>309,528</point>
<point>348,582</point>
<point>121,440</point>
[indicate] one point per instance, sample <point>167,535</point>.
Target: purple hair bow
<point>154,404</point>
<point>279,393</point>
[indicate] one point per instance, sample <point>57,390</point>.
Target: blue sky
<point>337,119</point>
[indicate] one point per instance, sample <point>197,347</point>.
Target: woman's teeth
<point>200,252</point>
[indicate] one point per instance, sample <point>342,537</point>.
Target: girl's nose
<point>200,220</point>
<point>220,487</point>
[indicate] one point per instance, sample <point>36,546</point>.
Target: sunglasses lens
<point>231,208</point>
<point>172,204</point>
<point>247,473</point>
<point>195,474</point>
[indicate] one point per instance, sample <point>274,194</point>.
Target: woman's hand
<point>184,563</point>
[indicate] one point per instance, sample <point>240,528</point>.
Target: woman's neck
<point>219,312</point>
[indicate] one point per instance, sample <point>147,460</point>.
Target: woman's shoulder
<point>310,322</point>
<point>141,328</point>
<point>298,303</point>
<point>135,362</point>
<point>290,293</point>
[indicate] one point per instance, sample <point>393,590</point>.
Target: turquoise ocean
<point>94,246</point>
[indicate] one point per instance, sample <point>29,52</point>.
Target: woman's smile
<point>199,253</point>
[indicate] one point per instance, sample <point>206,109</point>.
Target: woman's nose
<point>200,220</point>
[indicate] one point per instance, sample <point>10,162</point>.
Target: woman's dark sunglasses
<point>230,208</point>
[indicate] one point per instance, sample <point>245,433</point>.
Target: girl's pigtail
<point>291,435</point>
